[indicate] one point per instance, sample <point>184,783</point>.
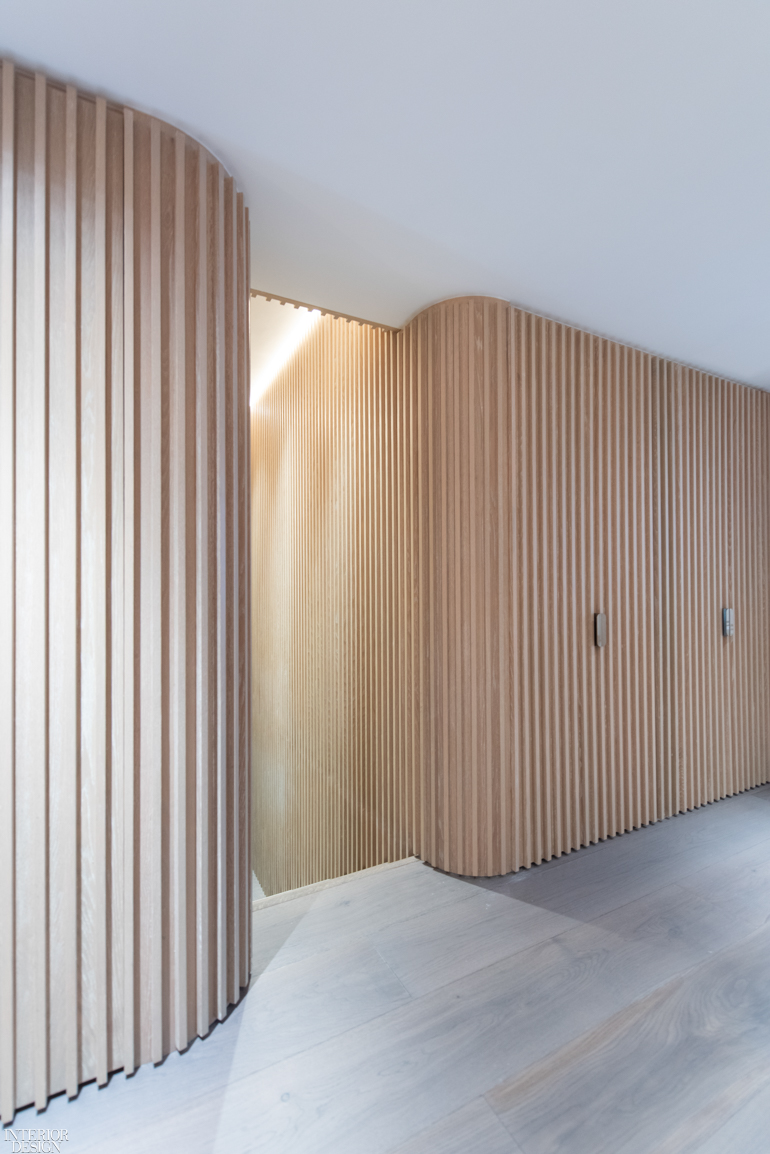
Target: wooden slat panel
<point>110,317</point>
<point>323,453</point>
<point>431,549</point>
<point>716,686</point>
<point>202,607</point>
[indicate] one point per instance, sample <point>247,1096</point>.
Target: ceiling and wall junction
<point>599,163</point>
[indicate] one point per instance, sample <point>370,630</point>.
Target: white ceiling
<point>606,162</point>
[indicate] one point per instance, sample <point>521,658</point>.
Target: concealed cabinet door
<point>710,554</point>
<point>584,742</point>
<point>622,516</point>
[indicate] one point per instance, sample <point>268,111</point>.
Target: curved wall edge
<point>124,586</point>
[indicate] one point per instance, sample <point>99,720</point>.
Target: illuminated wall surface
<point>437,516</point>
<point>124,786</point>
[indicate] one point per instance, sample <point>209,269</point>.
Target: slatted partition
<point>438,515</point>
<point>585,749</point>
<point>457,376</point>
<point>712,551</point>
<point>124,784</point>
<point>332,791</point>
<point>606,480</point>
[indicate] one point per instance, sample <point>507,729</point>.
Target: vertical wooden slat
<point>429,639</point>
<point>594,538</point>
<point>711,601</point>
<point>61,692</point>
<point>30,600</point>
<point>698,577</point>
<point>7,595</point>
<point>22,447</point>
<point>544,519</point>
<point>30,685</point>
<point>687,783</point>
<point>63,585</point>
<point>646,497</point>
<point>202,602</point>
<point>602,588</point>
<point>221,601</point>
<point>244,592</point>
<point>574,566</point>
<point>446,814</point>
<point>661,596</point>
<point>380,349</point>
<point>490,843</point>
<point>617,587</point>
<point>94,577</point>
<point>584,606</point>
<point>151,616</point>
<point>537,785</point>
<point>116,591</point>
<point>504,510</point>
<point>743,611</point>
<point>725,749</point>
<point>562,459</point>
<point>129,623</point>
<point>178,604</point>
<point>233,598</point>
<point>521,681</point>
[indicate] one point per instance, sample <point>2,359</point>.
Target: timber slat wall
<point>438,514</point>
<point>583,494</point>
<point>124,876</point>
<point>331,793</point>
<point>712,551</point>
<point>458,371</point>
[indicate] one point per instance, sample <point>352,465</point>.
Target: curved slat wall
<point>124,785</point>
<point>438,514</point>
<point>457,367</point>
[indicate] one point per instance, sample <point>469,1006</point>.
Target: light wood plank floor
<point>614,1000</point>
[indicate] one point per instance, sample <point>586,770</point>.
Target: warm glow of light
<point>305,320</point>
